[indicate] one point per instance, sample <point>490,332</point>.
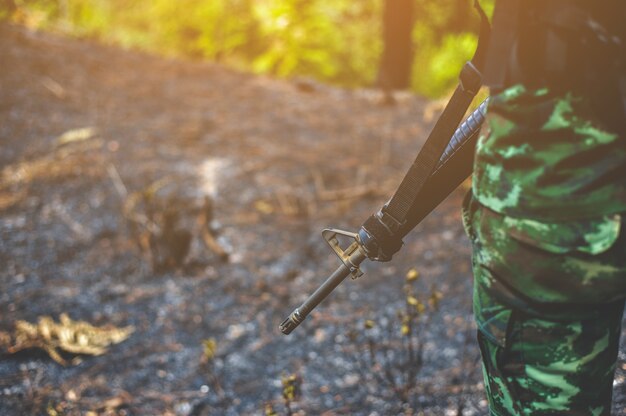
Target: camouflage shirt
<point>546,157</point>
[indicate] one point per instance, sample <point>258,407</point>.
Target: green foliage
<point>338,41</point>
<point>304,37</point>
<point>445,36</point>
<point>437,66</point>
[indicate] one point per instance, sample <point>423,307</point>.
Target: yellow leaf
<point>264,207</point>
<point>420,308</point>
<point>412,275</point>
<point>76,135</point>
<point>209,348</point>
<point>269,410</point>
<point>51,410</point>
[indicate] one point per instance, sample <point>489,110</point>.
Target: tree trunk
<point>395,66</point>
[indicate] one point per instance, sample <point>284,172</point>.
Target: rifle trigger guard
<point>330,235</point>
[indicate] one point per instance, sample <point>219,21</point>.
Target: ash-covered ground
<point>99,145</point>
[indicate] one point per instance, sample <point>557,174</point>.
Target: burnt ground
<point>281,160</point>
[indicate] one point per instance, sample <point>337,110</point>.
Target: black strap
<point>505,25</point>
<point>383,228</point>
<point>428,157</point>
<point>455,165</point>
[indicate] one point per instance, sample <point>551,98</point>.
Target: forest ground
<point>281,160</point>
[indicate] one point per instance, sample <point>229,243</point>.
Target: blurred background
<point>412,44</point>
<point>166,169</point>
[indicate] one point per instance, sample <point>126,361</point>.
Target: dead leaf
<point>76,337</point>
<point>77,135</point>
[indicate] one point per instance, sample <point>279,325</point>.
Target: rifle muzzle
<point>291,322</point>
<point>351,258</point>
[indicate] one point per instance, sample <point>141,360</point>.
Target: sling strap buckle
<point>470,78</point>
<point>389,221</point>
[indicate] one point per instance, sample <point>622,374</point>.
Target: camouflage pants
<point>548,306</point>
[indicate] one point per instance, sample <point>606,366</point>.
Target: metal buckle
<point>471,78</point>
<point>389,221</point>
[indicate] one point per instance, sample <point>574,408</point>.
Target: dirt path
<point>275,158</point>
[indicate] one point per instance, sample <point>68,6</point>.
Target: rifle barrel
<point>300,314</point>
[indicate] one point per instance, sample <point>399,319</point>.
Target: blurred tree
<point>395,44</point>
<point>445,36</point>
<point>7,7</point>
<point>395,66</point>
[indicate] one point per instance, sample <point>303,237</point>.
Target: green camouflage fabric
<point>579,262</point>
<point>552,368</point>
<point>545,218</point>
<point>547,157</point>
<point>549,321</point>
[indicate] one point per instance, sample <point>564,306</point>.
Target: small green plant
<point>209,348</point>
<point>269,410</point>
<point>210,366</point>
<point>395,346</point>
<point>291,390</point>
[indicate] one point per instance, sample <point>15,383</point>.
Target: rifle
<point>444,162</point>
<point>453,167</point>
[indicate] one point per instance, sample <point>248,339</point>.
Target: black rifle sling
<point>454,167</point>
<point>428,157</point>
<point>382,238</point>
<point>505,24</point>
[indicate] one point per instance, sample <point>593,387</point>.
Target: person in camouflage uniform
<point>545,217</point>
